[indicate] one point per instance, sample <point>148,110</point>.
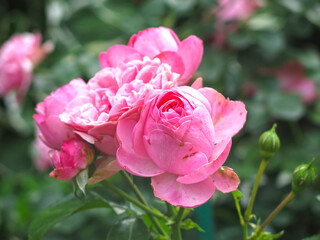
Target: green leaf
<point>269,236</point>
<point>129,229</point>
<point>237,195</point>
<point>264,21</point>
<point>60,211</point>
<point>82,180</point>
<point>313,15</point>
<point>116,203</point>
<point>314,237</point>
<point>189,224</point>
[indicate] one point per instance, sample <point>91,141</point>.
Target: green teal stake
<point>204,218</point>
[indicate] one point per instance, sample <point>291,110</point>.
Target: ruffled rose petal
<point>228,116</point>
<point>225,180</point>
<point>174,60</point>
<point>153,41</point>
<point>118,54</point>
<point>218,158</point>
<point>191,51</point>
<point>127,158</point>
<point>168,189</point>
<point>171,154</point>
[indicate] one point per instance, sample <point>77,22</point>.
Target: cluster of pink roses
<point>136,114</point>
<point>18,56</point>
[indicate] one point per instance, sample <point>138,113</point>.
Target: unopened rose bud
<point>74,156</point>
<point>269,143</point>
<point>303,177</point>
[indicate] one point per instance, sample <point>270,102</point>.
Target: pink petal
<point>225,180</point>
<point>198,83</point>
<point>171,154</point>
<point>118,54</point>
<point>174,60</point>
<point>64,173</point>
<point>126,156</point>
<point>153,41</point>
<point>168,189</point>
<point>218,158</point>
<point>228,116</point>
<point>191,51</point>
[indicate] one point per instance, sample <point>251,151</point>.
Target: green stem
<point>137,192</point>
<point>275,212</point>
<point>134,201</point>
<point>171,210</point>
<point>176,231</point>
<point>262,167</point>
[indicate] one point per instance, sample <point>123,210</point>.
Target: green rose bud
<point>303,177</point>
<point>269,143</point>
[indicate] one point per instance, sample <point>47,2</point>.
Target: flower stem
<point>275,212</point>
<point>137,192</point>
<point>134,201</point>
<point>171,210</point>
<point>262,167</point>
<point>176,231</point>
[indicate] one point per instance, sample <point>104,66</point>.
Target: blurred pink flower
<point>292,78</point>
<point>41,151</point>
<point>18,56</point>
<point>181,139</point>
<point>75,155</point>
<point>184,56</point>
<point>234,10</point>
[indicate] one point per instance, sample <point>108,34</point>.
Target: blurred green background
<point>277,32</point>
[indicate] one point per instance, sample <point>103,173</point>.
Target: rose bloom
<point>181,139</point>
<point>114,92</point>
<point>230,10</point>
<point>184,56</point>
<point>75,155</point>
<point>292,78</point>
<point>18,56</point>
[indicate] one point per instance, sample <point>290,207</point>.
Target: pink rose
<point>17,59</point>
<point>114,92</point>
<point>292,79</point>
<point>52,130</point>
<point>181,139</point>
<point>162,43</point>
<point>230,10</point>
<point>75,155</point>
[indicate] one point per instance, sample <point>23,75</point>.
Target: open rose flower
<point>292,78</point>
<point>181,139</point>
<point>18,56</point>
<point>75,155</point>
<point>52,130</point>
<point>112,93</point>
<point>184,56</point>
